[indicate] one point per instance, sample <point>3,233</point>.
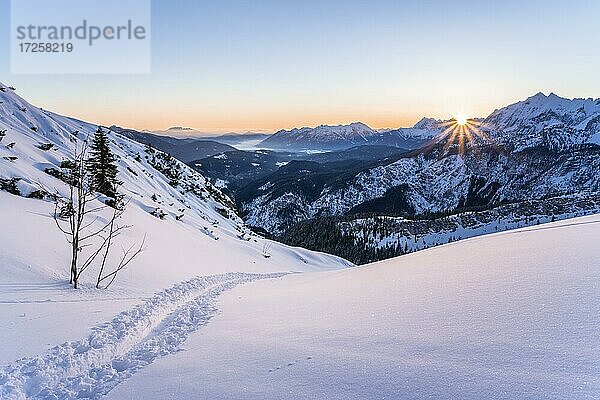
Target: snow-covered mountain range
<point>543,148</point>
<point>322,136</point>
<point>326,137</point>
<point>464,321</point>
<point>549,121</point>
<point>184,216</point>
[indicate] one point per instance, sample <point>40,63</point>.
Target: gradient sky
<point>267,65</point>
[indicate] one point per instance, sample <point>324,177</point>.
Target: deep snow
<point>37,307</point>
<point>507,316</point>
<point>115,350</point>
<point>511,315</point>
<point>41,317</point>
<point>39,311</point>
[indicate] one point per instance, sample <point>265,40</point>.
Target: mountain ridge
<point>541,149</point>
<point>188,221</point>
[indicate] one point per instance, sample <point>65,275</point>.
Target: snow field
<point>115,350</point>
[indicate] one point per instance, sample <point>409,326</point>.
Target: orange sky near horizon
<point>143,109</point>
<point>156,114</point>
<point>271,65</point>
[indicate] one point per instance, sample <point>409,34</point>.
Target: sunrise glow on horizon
<point>266,66</point>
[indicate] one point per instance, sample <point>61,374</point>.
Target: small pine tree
<point>102,168</point>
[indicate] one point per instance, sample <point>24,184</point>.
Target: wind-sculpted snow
<point>116,350</point>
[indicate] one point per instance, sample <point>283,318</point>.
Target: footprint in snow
<point>291,363</point>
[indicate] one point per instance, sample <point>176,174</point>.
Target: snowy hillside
<point>402,235</point>
<point>38,141</point>
<point>183,216</point>
<point>507,316</point>
<point>549,121</point>
<point>195,248</point>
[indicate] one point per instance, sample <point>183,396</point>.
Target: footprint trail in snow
<point>115,350</point>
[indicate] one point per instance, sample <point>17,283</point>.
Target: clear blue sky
<point>252,65</point>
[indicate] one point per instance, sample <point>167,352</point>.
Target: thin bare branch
<point>128,256</point>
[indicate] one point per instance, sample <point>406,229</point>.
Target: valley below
<point>443,261</point>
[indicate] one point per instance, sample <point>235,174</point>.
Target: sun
<point>461,119</point>
<point>461,134</point>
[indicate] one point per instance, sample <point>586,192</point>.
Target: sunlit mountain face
<point>460,135</point>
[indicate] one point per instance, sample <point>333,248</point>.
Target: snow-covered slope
<point>549,121</point>
<point>38,141</point>
<point>198,233</point>
<point>507,316</point>
<point>195,244</point>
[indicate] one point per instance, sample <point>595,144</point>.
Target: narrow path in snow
<point>115,350</point>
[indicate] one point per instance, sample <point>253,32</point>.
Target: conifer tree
<point>102,168</point>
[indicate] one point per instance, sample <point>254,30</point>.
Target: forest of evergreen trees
<point>324,234</point>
